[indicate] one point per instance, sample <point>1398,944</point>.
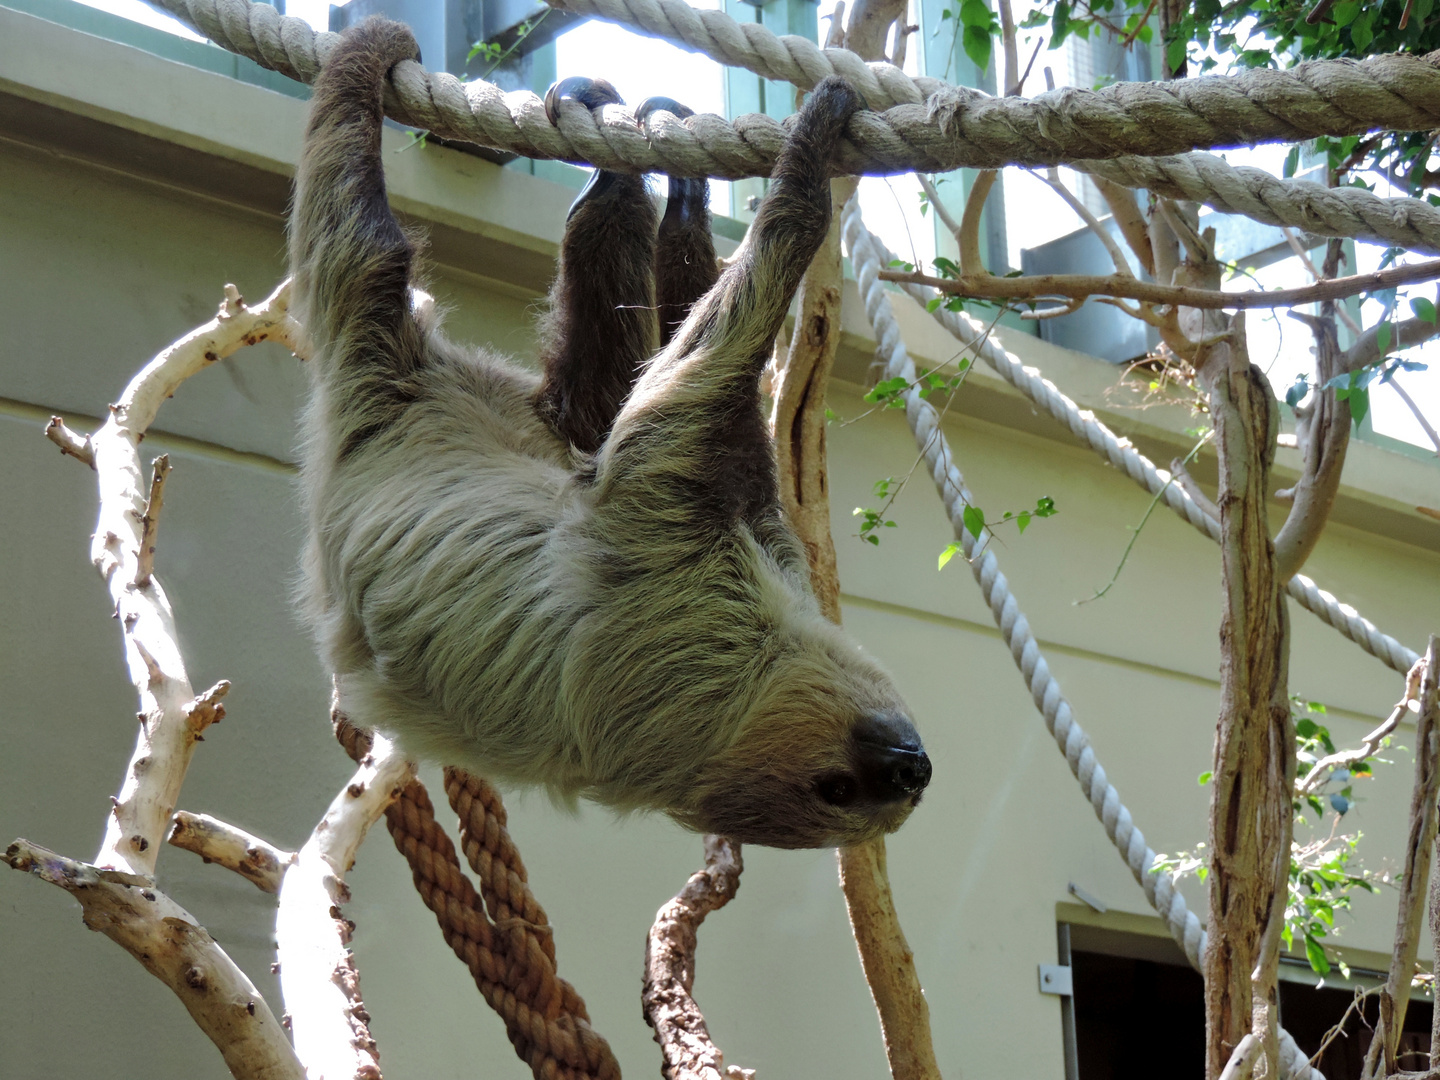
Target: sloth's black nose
<point>891,761</point>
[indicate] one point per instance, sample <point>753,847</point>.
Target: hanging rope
<point>954,127</point>
<point>867,256</point>
<point>506,940</point>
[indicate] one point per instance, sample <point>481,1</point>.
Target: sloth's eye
<point>838,789</point>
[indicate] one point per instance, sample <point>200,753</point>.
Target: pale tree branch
<point>70,442</point>
<point>1419,850</point>
<point>1117,257</point>
<point>150,521</point>
<point>972,262</point>
<point>797,419</point>
<point>1010,79</point>
<point>927,184</point>
<point>175,948</point>
<point>1129,219</point>
<point>258,861</point>
<point>171,716</point>
<point>318,976</point>
<point>1425,425</point>
<point>667,999</point>
<point>1250,811</point>
<point>1322,433</point>
<point>1082,286</point>
<point>1241,1065</point>
<point>1322,770</point>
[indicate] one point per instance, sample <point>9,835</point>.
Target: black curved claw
<point>592,93</point>
<point>660,104</point>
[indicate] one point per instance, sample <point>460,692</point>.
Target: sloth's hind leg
<point>601,323</point>
<point>350,259</point>
<point>685,266</point>
<point>690,445</point>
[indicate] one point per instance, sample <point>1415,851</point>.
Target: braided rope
<point>1300,204</point>
<point>510,953</point>
<point>954,127</point>
<point>1409,223</point>
<point>868,255</point>
<point>1123,455</point>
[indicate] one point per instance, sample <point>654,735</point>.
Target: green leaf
<point>1022,521</point>
<point>1205,777</point>
<point>974,519</point>
<point>1315,953</point>
<point>1424,309</point>
<point>948,554</point>
<point>1060,24</point>
<point>1383,333</point>
<point>1298,390</point>
<point>1292,162</point>
<point>1175,52</point>
<point>977,45</point>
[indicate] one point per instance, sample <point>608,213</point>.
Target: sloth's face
<point>827,757</point>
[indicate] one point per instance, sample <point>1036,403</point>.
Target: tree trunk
<point>1250,811</point>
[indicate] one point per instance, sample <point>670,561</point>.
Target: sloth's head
<point>826,756</point>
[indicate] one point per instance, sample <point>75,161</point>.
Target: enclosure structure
<point>135,186</point>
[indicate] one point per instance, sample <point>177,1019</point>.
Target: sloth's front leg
<point>601,324</point>
<point>690,448</point>
<point>685,268</point>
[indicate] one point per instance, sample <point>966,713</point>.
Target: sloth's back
<point>440,570</point>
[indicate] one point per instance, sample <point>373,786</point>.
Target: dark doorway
<point>1133,1011</point>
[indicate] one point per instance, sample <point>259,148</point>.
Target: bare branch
<point>1323,436</point>
<point>1425,425</point>
<point>1404,335</point>
<point>260,862</point>
<point>1321,771</point>
<point>70,442</point>
<point>317,974</point>
<point>941,210</point>
<point>1082,286</point>
<point>1197,494</point>
<point>869,26</point>
<point>835,36</point>
<point>1293,239</point>
<point>1129,219</point>
<point>1242,1062</point>
<point>1010,83</point>
<point>667,1001</point>
<point>1419,850</point>
<point>971,261</point>
<point>797,427</point>
<point>1117,257</point>
<point>150,521</point>
<point>888,962</point>
<point>176,949</point>
<point>172,717</point>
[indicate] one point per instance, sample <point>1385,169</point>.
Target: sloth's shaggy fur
<point>572,582</point>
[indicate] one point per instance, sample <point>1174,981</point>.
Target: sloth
<point>582,579</point>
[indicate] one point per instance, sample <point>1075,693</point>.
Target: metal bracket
<point>1055,979</point>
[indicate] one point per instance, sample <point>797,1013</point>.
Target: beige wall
<point>131,190</point>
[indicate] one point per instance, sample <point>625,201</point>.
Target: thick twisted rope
<point>1409,223</point>
<point>868,255</point>
<point>1123,455</point>
<point>510,952</point>
<point>953,128</point>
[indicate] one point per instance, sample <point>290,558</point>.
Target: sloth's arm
<point>690,448</point>
<point>350,258</point>
<point>601,324</point>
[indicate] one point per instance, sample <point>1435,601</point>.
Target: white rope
<point>1123,455</point>
<point>1354,212</point>
<point>932,127</point>
<point>868,255</point>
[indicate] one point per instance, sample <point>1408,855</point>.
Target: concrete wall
<point>132,189</point>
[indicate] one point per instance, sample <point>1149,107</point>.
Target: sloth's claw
<point>592,93</point>
<point>660,104</point>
